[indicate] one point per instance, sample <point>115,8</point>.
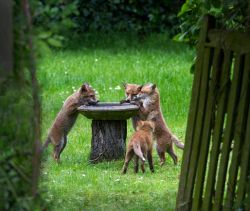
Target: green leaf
<point>180,37</point>
<point>54,42</point>
<point>45,35</point>
<point>68,23</point>
<point>176,37</point>
<point>185,8</point>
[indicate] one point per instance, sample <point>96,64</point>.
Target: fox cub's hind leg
<point>143,162</point>
<point>128,158</point>
<point>142,166</point>
<point>150,161</point>
<point>64,144</point>
<point>59,148</point>
<point>136,167</point>
<point>171,152</point>
<point>161,153</point>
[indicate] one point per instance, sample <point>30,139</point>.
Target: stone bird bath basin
<point>109,129</point>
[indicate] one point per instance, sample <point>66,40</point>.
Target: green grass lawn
<point>105,61</point>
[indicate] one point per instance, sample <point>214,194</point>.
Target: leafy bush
<point>230,14</point>
<point>16,143</point>
<point>54,20</point>
<point>120,15</point>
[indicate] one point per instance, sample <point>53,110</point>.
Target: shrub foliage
<point>133,15</point>
<point>230,14</point>
<point>17,132</point>
<point>56,20</point>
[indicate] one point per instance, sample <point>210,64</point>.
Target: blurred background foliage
<point>17,123</point>
<point>230,14</point>
<point>56,21</point>
<point>142,16</point>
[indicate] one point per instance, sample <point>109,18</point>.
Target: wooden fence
<point>215,172</point>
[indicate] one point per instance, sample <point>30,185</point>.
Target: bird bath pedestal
<point>109,129</point>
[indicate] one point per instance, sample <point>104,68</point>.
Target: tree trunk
<point>6,39</point>
<point>108,140</point>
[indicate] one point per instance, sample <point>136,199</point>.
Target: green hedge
<point>133,15</point>
<point>57,20</point>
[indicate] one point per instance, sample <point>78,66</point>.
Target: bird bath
<point>109,129</point>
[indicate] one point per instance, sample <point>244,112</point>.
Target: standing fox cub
<point>140,145</point>
<point>131,90</point>
<point>66,118</point>
<point>148,98</point>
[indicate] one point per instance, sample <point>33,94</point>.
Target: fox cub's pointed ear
<point>84,87</point>
<point>124,85</point>
<point>139,88</point>
<point>153,86</point>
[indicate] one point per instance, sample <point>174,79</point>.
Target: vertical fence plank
<point>209,23</point>
<point>245,152</point>
<point>206,132</point>
<point>227,139</point>
<point>208,55</point>
<point>238,135</point>
<point>244,171</point>
<point>218,129</point>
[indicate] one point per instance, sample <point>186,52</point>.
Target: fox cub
<point>148,99</point>
<point>66,118</point>
<point>140,145</point>
<point>131,90</point>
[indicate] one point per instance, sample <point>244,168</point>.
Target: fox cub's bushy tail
<point>177,142</point>
<point>137,150</point>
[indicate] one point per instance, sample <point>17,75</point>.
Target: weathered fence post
<point>216,159</point>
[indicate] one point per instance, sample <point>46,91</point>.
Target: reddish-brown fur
<point>131,90</point>
<point>66,118</point>
<point>140,145</point>
<point>148,98</point>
